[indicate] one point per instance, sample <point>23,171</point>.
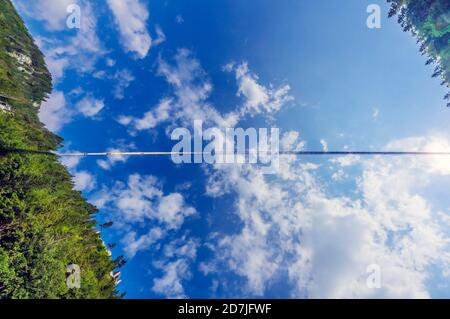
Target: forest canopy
<point>429,22</point>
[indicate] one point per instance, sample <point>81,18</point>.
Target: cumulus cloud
<point>89,106</point>
<point>258,98</point>
<point>52,13</point>
<point>131,17</point>
<point>142,198</point>
<point>123,79</point>
<point>70,162</point>
<point>175,265</point>
<point>290,141</point>
<point>172,210</point>
<point>79,51</point>
<point>84,181</point>
<point>324,145</point>
<point>160,36</point>
<point>151,218</point>
<point>345,161</point>
<point>142,203</point>
<point>143,242</point>
<point>54,112</point>
<point>151,119</point>
<point>112,160</point>
<point>170,284</point>
<point>191,90</point>
<point>324,244</point>
<point>120,80</point>
<point>435,143</point>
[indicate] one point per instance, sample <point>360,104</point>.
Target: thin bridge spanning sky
<point>299,153</point>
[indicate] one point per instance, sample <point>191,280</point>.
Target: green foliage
<point>45,225</point>
<point>429,21</point>
<point>14,37</point>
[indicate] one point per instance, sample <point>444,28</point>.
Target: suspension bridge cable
<point>165,153</point>
<point>298,153</point>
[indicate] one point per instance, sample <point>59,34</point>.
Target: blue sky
<point>137,69</point>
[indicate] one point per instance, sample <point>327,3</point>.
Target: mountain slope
<point>44,224</point>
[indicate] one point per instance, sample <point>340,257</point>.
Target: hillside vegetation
<point>429,21</point>
<point>44,224</point>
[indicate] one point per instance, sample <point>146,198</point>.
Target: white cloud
<point>172,210</point>
<point>176,268</point>
<point>160,36</point>
<point>151,119</point>
<point>345,161</point>
<point>142,198</point>
<point>124,120</point>
<point>324,243</point>
<point>70,162</point>
<point>110,62</point>
<point>112,160</point>
<point>134,245</point>
<point>76,91</point>
<point>324,145</point>
<point>53,13</point>
<point>79,51</point>
<point>170,284</point>
<point>431,164</point>
<point>290,141</point>
<point>100,74</point>
<point>191,90</point>
<point>131,17</point>
<point>54,112</point>
<point>141,203</point>
<point>339,175</point>
<point>375,113</point>
<point>123,80</point>
<point>84,181</point>
<point>90,106</point>
<point>258,98</point>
